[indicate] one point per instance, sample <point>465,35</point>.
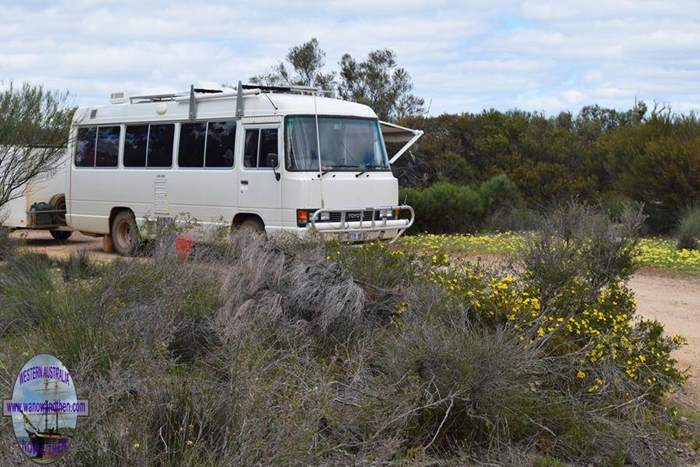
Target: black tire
<point>61,235</point>
<point>252,225</point>
<point>58,202</point>
<point>125,233</point>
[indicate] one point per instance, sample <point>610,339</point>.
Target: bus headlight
<point>325,216</point>
<point>386,213</point>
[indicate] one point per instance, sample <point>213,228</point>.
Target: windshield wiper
<point>369,167</point>
<point>330,168</point>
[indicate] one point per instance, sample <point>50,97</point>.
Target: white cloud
<point>464,56</point>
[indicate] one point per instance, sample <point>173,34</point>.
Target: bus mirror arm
<point>273,161</point>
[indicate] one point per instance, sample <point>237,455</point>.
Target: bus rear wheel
<point>252,225</point>
<point>61,235</point>
<point>125,233</point>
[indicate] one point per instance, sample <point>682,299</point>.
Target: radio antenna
<point>318,152</point>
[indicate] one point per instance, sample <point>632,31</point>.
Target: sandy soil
<point>673,300</point>
<point>42,242</point>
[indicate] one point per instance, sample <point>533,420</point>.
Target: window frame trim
<point>206,135</point>
<point>259,127</point>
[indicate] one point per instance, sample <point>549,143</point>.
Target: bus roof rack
<point>172,96</point>
<point>123,97</point>
<point>290,88</point>
<point>155,97</point>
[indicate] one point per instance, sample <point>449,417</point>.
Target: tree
<point>302,68</point>
<point>34,127</point>
<point>379,83</point>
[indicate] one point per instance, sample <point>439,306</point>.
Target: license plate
<point>357,236</point>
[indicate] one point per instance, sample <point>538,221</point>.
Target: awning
<point>397,134</point>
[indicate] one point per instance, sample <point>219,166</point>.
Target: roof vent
<point>119,98</point>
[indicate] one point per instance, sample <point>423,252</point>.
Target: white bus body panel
<point>41,189</point>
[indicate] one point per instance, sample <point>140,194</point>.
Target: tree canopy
<point>34,128</point>
<point>377,81</point>
<point>608,156</point>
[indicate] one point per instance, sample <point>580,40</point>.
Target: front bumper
<point>363,230</point>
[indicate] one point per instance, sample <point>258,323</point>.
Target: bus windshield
<point>347,144</point>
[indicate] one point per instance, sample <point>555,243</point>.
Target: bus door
<point>259,183</point>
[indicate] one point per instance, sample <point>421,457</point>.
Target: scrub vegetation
<point>277,351</point>
<point>688,234</point>
<point>647,156</point>
<point>7,244</point>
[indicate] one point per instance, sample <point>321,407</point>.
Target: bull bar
<point>361,225</point>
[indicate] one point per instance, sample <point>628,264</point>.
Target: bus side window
<point>85,147</point>
<point>135,146</point>
<point>160,145</point>
<point>191,149</point>
<point>268,146</point>
<point>260,144</point>
<point>221,141</point>
<point>107,153</point>
<point>250,154</point>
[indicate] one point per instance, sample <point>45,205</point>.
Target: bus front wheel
<point>125,233</point>
<point>252,225</point>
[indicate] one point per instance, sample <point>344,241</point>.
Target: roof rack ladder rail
<point>193,104</point>
<point>239,100</point>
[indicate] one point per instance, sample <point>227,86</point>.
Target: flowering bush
<point>652,252</point>
<point>568,295</point>
<point>662,253</point>
<point>606,331</point>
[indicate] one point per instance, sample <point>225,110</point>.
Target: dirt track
<point>42,242</point>
<point>674,301</point>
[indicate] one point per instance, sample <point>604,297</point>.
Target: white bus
<point>267,158</point>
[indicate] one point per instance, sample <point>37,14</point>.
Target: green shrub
<point>578,264</point>
<point>445,208</point>
<point>448,208</point>
<point>499,193</point>
<point>78,266</point>
<point>688,234</point>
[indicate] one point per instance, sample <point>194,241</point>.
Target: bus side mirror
<point>273,161</point>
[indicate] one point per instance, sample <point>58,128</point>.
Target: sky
<point>463,56</point>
